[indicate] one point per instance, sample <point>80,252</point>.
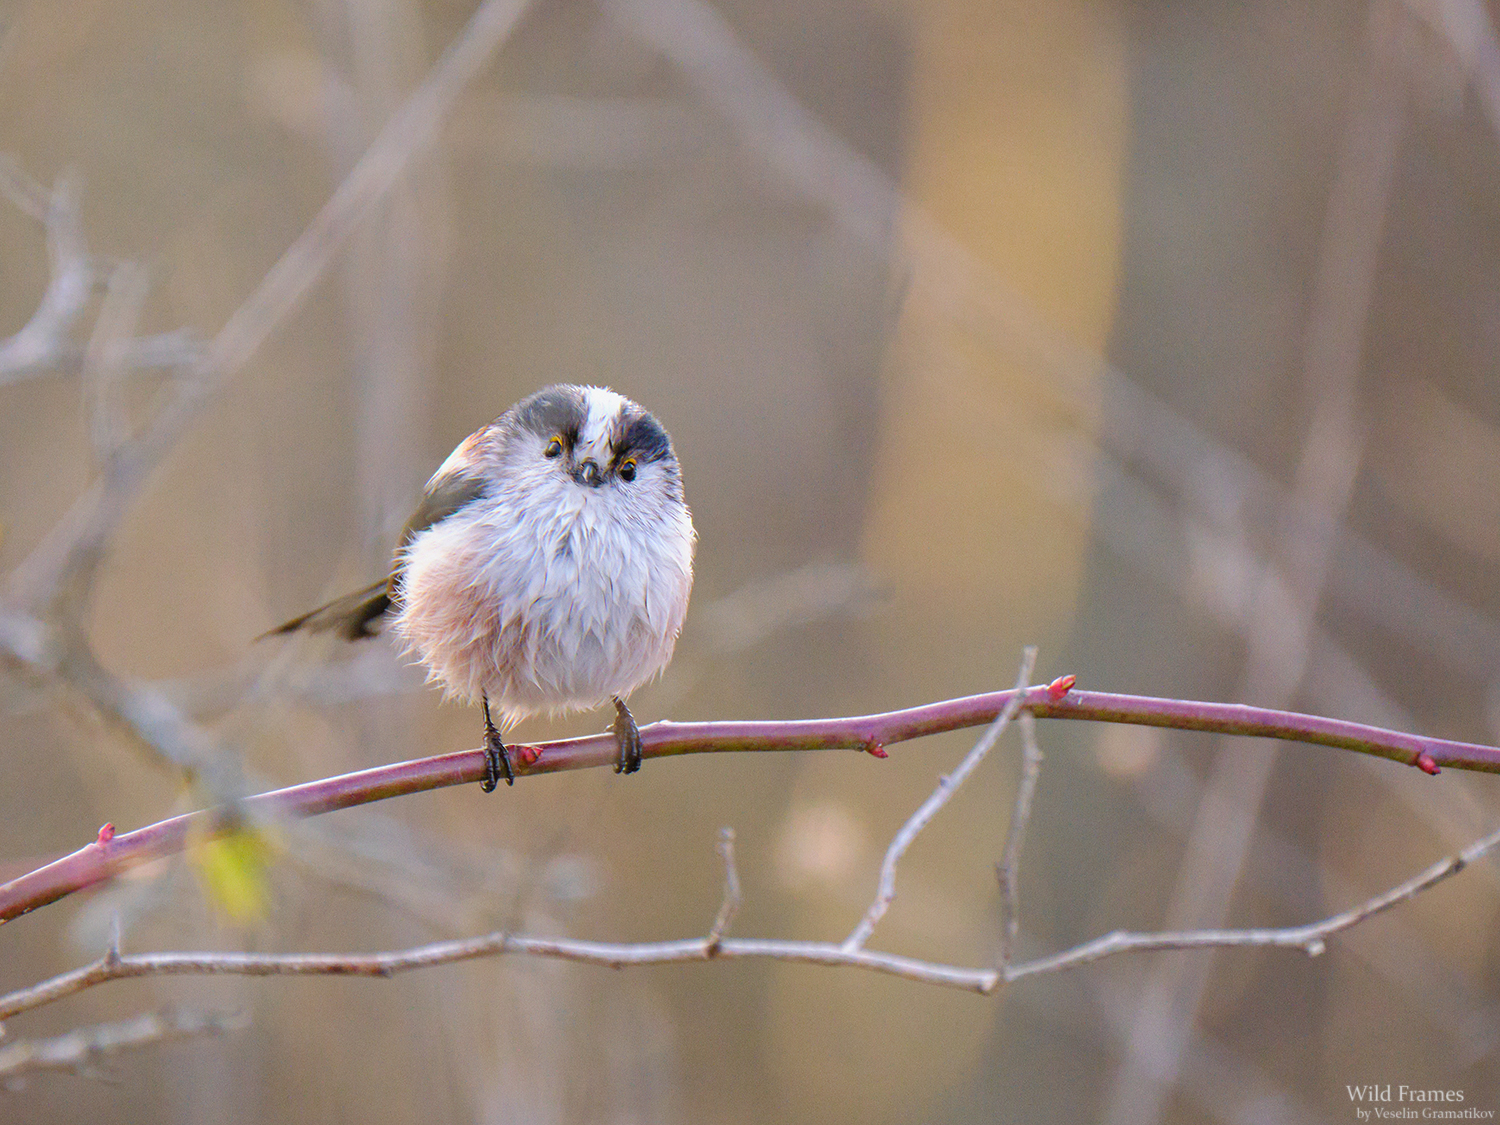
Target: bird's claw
<point>496,756</point>
<point>628,736</point>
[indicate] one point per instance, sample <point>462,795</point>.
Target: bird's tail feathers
<point>352,616</point>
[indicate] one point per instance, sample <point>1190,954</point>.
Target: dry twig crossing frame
<point>111,854</point>
<point>717,945</point>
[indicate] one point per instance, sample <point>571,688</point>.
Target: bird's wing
<point>446,493</point>
<point>360,614</point>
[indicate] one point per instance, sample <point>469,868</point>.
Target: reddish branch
<point>111,854</point>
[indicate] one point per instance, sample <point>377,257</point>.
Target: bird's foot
<point>496,756</point>
<point>628,735</point>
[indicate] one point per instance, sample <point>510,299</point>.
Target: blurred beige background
<point>1159,335</point>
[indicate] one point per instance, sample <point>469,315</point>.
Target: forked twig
<point>1008,869</point>
<point>946,787</point>
<point>731,904</point>
<point>44,340</point>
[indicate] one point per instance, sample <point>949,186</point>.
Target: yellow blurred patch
<point>233,870</point>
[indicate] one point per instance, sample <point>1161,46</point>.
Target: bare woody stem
<point>1008,869</point>
<point>947,785</point>
<point>107,857</point>
<point>84,1049</point>
<point>1310,939</point>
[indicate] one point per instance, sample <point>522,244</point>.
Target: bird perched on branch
<point>547,568</point>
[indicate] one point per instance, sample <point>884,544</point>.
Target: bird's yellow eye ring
<point>627,469</point>
<point>554,448</point>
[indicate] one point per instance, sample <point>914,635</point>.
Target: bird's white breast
<point>547,596</point>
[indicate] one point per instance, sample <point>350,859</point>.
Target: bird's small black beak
<point>588,473</point>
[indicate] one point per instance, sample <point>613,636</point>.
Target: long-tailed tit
<point>547,568</point>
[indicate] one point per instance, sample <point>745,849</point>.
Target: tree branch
<point>1310,939</point>
<point>104,859</point>
<point>44,339</point>
<point>81,1049</point>
<point>868,733</point>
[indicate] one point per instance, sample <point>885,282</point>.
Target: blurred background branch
<point>84,1051</point>
<point>976,323</point>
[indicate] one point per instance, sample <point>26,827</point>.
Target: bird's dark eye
<point>554,448</point>
<point>627,469</point>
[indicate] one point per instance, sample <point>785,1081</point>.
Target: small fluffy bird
<point>547,568</point>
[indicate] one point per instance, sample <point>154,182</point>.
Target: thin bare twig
<point>81,1050</point>
<point>105,358</point>
<point>948,785</point>
<point>43,340</point>
<point>731,904</point>
<point>1311,939</point>
<point>1009,868</point>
